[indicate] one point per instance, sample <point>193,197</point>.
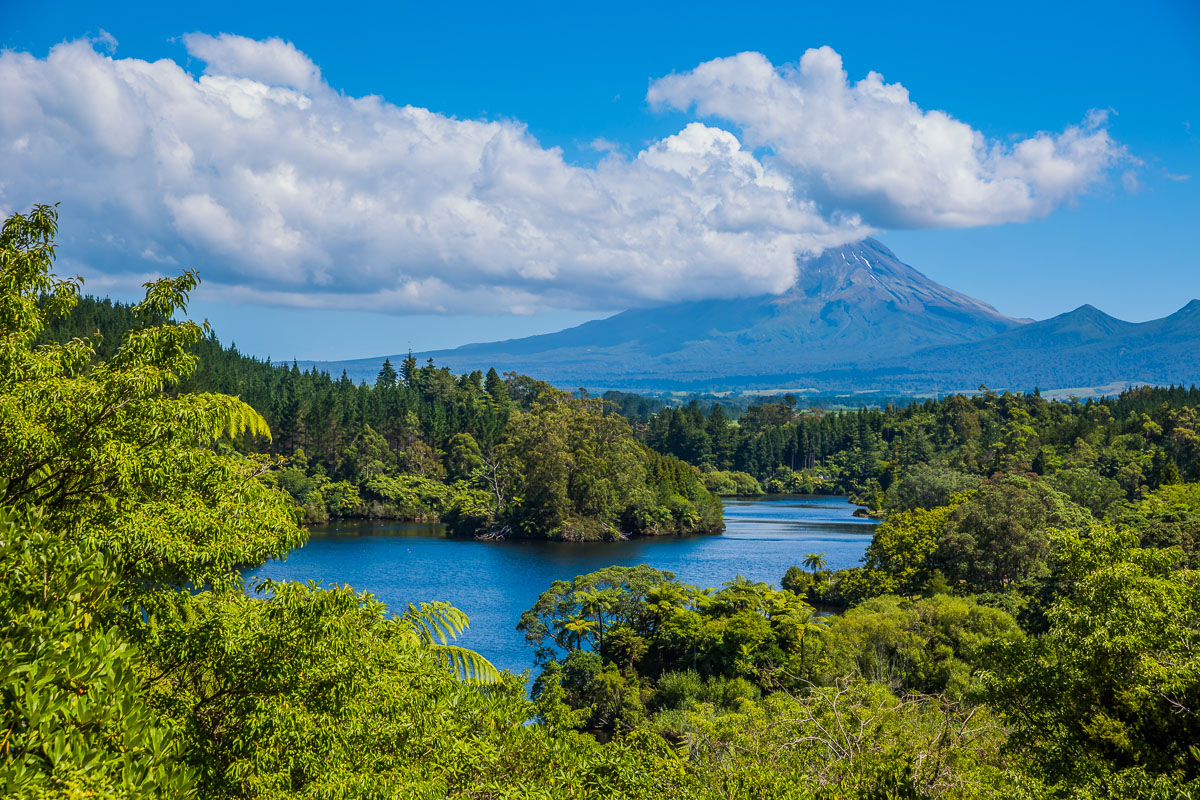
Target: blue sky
<point>1119,236</point>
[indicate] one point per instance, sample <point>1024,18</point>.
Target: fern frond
<point>242,418</point>
<point>215,416</point>
<point>469,665</point>
<point>435,625</point>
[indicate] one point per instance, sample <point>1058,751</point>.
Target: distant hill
<point>853,302</point>
<point>857,319</point>
<point>1083,348</point>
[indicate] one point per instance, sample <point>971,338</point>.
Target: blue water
<point>493,582</point>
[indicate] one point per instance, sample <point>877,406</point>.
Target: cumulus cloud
<point>281,190</point>
<point>867,146</point>
<point>272,61</point>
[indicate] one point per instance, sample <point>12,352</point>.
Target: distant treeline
<point>490,455</point>
<point>1119,447</point>
<point>439,430</point>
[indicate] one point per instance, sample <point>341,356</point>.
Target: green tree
<point>387,375</point>
<point>1114,683</point>
<point>1001,534</point>
<point>815,562</point>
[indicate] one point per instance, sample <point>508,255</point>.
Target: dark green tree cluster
<point>1099,452</point>
<point>489,455</point>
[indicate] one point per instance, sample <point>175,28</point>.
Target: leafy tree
<point>72,713</point>
<point>1000,535</point>
<point>929,645</point>
<point>1167,517</point>
<point>1114,683</point>
<point>928,486</point>
<point>1087,488</point>
<point>815,562</point>
<point>796,580</point>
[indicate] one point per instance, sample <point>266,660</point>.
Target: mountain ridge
<point>844,301</point>
<point>856,318</point>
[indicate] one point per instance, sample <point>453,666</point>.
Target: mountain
<point>855,301</point>
<point>1081,348</point>
<point>856,319</point>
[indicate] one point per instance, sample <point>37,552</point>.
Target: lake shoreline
<point>859,512</point>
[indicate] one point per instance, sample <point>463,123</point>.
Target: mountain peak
<point>867,275</point>
<point>1086,323</point>
<point>848,303</point>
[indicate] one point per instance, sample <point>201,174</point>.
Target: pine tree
<point>387,375</point>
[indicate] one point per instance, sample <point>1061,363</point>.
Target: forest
<point>490,456</point>
<point>1099,452</point>
<point>1026,622</point>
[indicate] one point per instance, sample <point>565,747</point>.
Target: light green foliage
<point>1168,517</point>
<point>732,484</point>
<point>929,645</point>
<point>73,722</point>
<point>899,558</point>
<point>422,499</point>
<point>785,480</point>
<point>1114,683</point>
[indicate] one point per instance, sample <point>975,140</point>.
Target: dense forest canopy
<point>1099,452</point>
<point>1025,624</point>
<point>489,455</point>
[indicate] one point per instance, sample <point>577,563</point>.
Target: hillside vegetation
<point>491,456</point>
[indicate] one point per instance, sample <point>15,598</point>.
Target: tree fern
<point>437,624</point>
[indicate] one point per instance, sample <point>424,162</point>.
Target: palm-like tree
<point>597,602</point>
<point>579,627</point>
<point>815,561</point>
<point>434,625</point>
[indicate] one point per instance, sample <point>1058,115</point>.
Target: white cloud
<point>281,190</point>
<point>867,147</point>
<point>602,145</point>
<point>272,61</point>
<point>278,188</point>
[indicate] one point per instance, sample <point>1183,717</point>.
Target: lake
<point>493,582</point>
